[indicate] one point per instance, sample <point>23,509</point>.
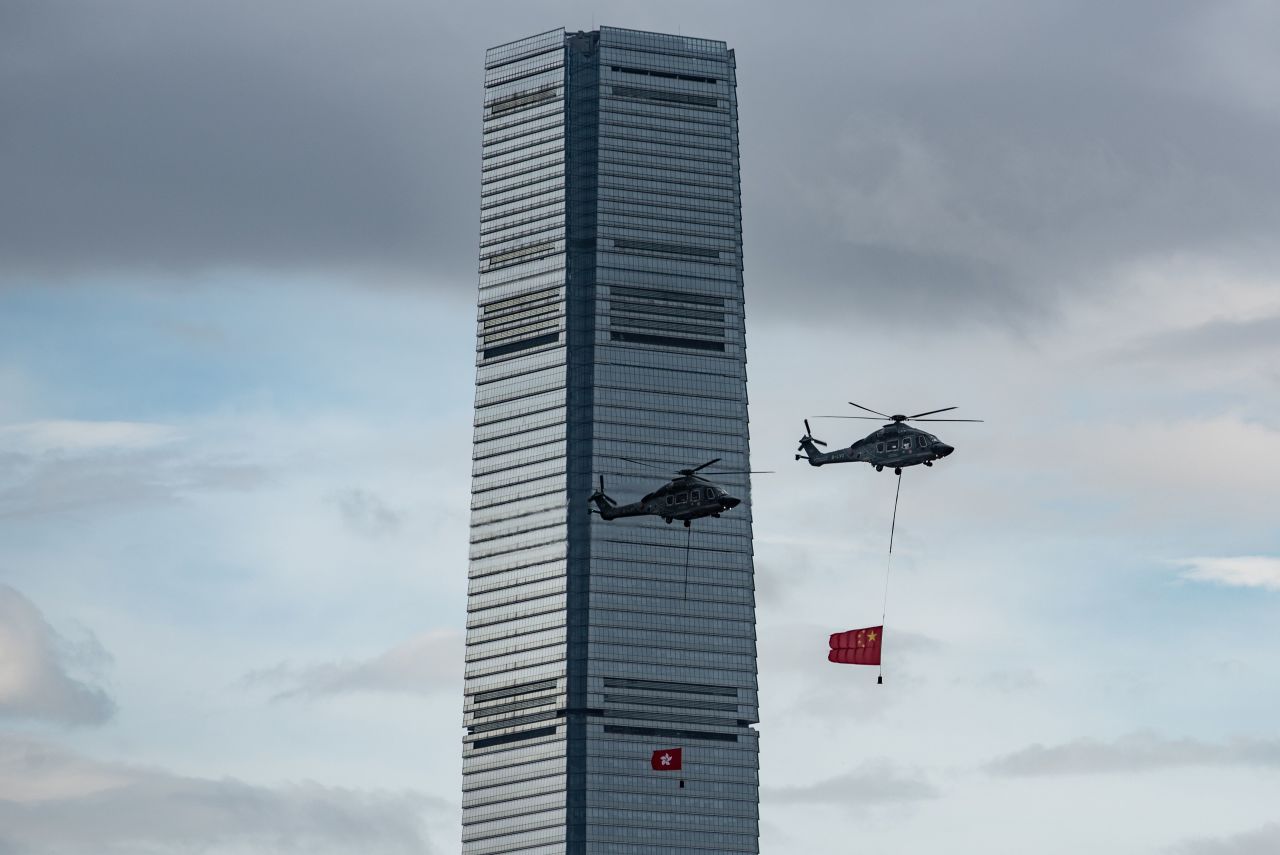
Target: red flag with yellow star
<point>857,646</point>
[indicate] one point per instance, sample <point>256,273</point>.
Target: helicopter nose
<point>942,449</point>
<point>730,502</point>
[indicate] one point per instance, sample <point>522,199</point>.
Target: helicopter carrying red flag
<point>856,646</point>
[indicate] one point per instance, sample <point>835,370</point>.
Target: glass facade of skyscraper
<point>609,343</point>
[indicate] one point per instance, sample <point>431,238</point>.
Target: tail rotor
<point>600,499</point>
<point>807,439</point>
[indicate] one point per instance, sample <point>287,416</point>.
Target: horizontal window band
<point>517,54</point>
<point>663,294</point>
<point>502,323</point>
<point>670,248</point>
<point>518,143</point>
<point>670,686</point>
<point>519,252</point>
<point>541,186</point>
<point>528,71</point>
<point>519,330</point>
<point>506,739</point>
<point>524,310</point>
<point>549,230</point>
<point>669,75</point>
<point>666,341</point>
<point>487,726</point>
<point>522,259</point>
<point>683,98</point>
<point>551,211</point>
<point>666,325</point>
<point>665,733</point>
<point>657,294</point>
<point>673,718</point>
<point>517,346</point>
<point>638,309</point>
<point>511,691</point>
<point>519,100</point>
<point>648,701</point>
<point>519,300</point>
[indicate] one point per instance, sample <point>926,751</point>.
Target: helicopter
<point>688,497</point>
<point>896,444</point>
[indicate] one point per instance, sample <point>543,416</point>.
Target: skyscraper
<point>609,343</point>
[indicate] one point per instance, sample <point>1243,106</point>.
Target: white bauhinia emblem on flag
<point>667,759</point>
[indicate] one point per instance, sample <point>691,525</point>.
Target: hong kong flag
<point>857,646</point>
<point>666,760</point>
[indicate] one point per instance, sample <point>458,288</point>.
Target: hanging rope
<point>687,540</point>
<point>884,608</point>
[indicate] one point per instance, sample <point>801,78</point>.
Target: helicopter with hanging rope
<point>687,497</point>
<point>896,444</point>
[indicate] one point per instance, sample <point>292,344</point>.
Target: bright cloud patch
<point>1136,752</point>
<point>60,466</point>
<point>34,661</point>
<point>79,436</point>
<point>56,801</point>
<point>424,664</point>
<point>868,785</point>
<point>1244,571</point>
<point>1261,841</point>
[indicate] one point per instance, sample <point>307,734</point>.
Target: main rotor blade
<point>705,465</point>
<point>931,412</point>
<point>742,472</point>
<point>869,410</point>
<point>946,420</point>
<point>642,463</point>
<point>868,418</point>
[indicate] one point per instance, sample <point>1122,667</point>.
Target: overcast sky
<point>237,273</point>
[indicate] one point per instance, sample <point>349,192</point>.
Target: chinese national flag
<point>857,646</point>
<point>667,760</point>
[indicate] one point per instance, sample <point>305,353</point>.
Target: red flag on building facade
<point>857,646</point>
<point>666,760</point>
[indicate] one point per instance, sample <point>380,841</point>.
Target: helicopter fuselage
<point>686,498</point>
<point>894,445</point>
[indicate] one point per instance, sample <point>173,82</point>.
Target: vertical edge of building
<point>516,683</point>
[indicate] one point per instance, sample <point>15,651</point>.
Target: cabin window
<point>696,495</point>
<point>671,500</point>
<point>682,498</point>
<point>879,446</point>
<point>893,445</point>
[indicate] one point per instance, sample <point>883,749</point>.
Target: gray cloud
<point>156,137</point>
<point>1261,841</point>
<point>425,664</point>
<point>69,466</point>
<point>980,169</point>
<point>873,784</point>
<point>55,802</point>
<point>974,168</point>
<point>1137,752</point>
<point>1005,681</point>
<point>1216,339</point>
<point>35,665</point>
<point>365,512</point>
